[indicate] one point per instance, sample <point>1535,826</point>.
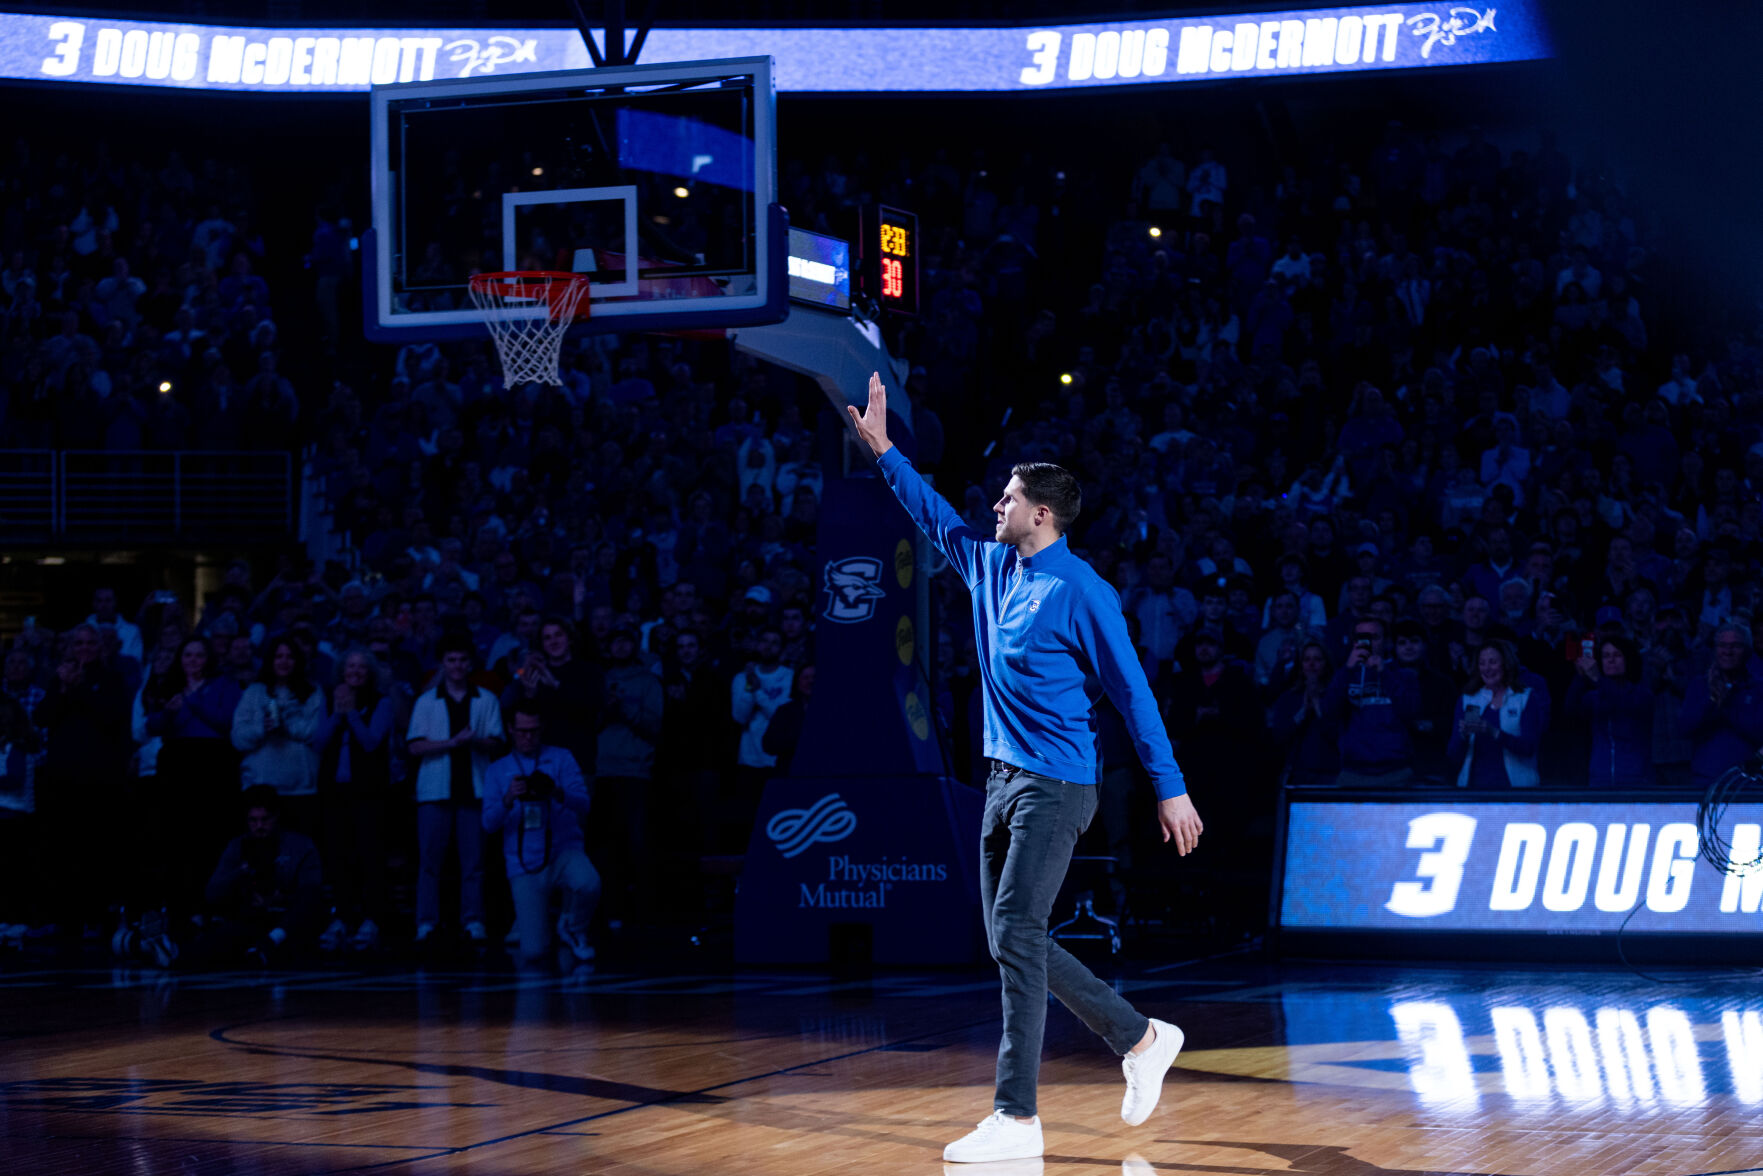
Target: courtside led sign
<point>899,60</point>
<point>1567,867</point>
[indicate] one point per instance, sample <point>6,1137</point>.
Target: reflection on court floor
<point>1331,1071</point>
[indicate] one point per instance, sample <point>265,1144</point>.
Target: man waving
<point>1051,639</point>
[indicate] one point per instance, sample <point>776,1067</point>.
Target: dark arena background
<point>410,766</point>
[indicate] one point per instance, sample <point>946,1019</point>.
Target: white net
<point>527,314</point>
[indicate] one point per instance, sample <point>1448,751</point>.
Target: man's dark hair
<point>529,707</point>
<point>456,643</point>
<point>1051,486</point>
<point>1361,622</point>
<point>263,796</point>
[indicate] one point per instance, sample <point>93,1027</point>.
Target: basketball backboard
<point>657,181</point>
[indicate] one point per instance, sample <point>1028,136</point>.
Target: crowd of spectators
<point>132,312</point>
<point>1397,455</point>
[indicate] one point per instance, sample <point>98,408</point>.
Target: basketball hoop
<point>527,313</point>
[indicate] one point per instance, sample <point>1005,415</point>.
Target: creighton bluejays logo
<point>853,585</point>
<point>827,819</point>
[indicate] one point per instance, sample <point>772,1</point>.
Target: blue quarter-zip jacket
<point>1051,639</point>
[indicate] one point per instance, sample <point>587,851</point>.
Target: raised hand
<point>872,424</point>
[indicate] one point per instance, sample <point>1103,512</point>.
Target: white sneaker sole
<point>979,1164</point>
<point>1024,1150</point>
<point>1027,1166</point>
<point>1179,1038</point>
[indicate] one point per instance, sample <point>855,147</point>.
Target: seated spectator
<point>1212,700</point>
<point>1278,650</point>
<point>1312,613</point>
<point>755,695</point>
<point>105,616</point>
<point>1215,620</point>
<point>1164,609</point>
<point>266,896</point>
<point>1443,633</point>
<point>697,741</point>
<point>1609,695</point>
<point>1373,701</point>
<point>1723,714</point>
<point>1302,725</point>
<point>189,805</point>
<point>624,768</point>
<point>353,742</point>
<point>1431,727</point>
<point>1356,596</point>
<point>455,731</point>
<point>1499,565</point>
<point>78,794</point>
<point>784,731</point>
<point>273,730</point>
<point>535,798</point>
<point>1499,723</point>
<point>20,862</point>
<point>568,690</point>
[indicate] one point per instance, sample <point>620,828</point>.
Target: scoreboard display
<point>890,258</point>
<point>1559,866</point>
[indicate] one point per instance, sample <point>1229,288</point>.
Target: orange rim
<point>537,285</point>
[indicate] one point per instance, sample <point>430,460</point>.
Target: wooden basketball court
<point>1329,1071</point>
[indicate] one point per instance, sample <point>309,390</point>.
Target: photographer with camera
<point>266,895</point>
<point>535,797</point>
<point>1375,700</point>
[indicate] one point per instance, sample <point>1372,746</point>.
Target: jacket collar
<point>1048,559</point>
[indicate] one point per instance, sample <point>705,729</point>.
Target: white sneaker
<point>477,932</point>
<point>578,944</point>
<point>423,931</point>
<point>331,938</point>
<point>1144,1072</point>
<point>998,1137</point>
<point>367,936</point>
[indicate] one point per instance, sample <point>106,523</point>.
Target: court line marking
<point>213,1139</point>
<point>556,1128</point>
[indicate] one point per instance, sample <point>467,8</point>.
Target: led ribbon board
<point>883,60</point>
<point>1563,867</point>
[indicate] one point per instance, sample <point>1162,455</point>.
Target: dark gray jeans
<point>1030,826</point>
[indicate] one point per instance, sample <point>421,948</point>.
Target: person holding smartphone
<point>1375,701</point>
<point>1500,723</point>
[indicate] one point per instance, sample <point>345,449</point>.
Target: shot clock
<point>890,258</point>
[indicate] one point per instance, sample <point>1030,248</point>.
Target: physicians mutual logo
<point>828,819</point>
<point>853,585</point>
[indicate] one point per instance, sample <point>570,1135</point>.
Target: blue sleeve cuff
<point>1169,788</point>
